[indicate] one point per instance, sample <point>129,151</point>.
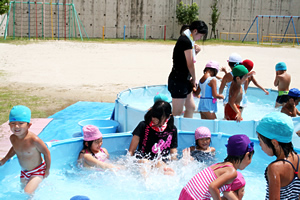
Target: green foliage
<point>186,14</point>
<point>214,18</point>
<point>4,6</point>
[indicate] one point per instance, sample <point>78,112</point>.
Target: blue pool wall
<point>129,115</point>
<point>65,153</point>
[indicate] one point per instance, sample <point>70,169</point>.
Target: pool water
<point>67,180</point>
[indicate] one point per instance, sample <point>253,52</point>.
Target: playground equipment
<point>291,19</point>
<point>37,9</point>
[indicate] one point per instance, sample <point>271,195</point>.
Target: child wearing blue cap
<point>28,147</point>
<point>275,132</point>
<point>282,81</point>
<point>293,100</point>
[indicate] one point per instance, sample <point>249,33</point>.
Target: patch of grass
<point>40,107</point>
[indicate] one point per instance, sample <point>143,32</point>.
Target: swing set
<point>282,37</point>
<point>38,15</point>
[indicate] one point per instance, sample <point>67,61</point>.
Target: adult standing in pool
<point>182,78</point>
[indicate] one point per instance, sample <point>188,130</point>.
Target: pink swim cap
<point>202,132</point>
<point>213,64</point>
<point>91,132</point>
<point>238,182</point>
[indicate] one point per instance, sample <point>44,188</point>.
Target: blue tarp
<point>65,122</point>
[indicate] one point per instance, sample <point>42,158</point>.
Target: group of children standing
<point>237,81</point>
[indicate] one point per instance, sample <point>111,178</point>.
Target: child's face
<point>96,145</point>
<point>265,148</point>
<point>246,161</point>
<point>297,101</point>
<point>19,128</point>
<point>158,123</point>
<point>241,192</point>
<point>203,143</point>
<point>196,35</point>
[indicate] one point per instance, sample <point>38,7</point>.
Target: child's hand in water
<point>169,171</point>
<point>298,133</point>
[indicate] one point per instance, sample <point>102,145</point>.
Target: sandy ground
<point>99,71</point>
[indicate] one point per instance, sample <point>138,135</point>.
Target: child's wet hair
<point>215,71</point>
<point>286,147</point>
<point>159,110</point>
<point>238,159</point>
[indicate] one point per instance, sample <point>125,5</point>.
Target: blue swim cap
<point>20,114</point>
<point>79,197</point>
<point>161,97</point>
<point>280,66</point>
<point>294,92</point>
<point>276,125</point>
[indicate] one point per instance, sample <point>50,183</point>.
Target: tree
<point>186,14</point>
<point>4,6</point>
<point>214,18</point>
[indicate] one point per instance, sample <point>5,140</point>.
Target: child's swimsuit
<point>230,114</point>
<point>101,155</point>
<point>197,187</point>
<point>202,156</point>
<point>292,190</point>
<point>206,103</point>
<point>282,97</point>
<point>38,171</point>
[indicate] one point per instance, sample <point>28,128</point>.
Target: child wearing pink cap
<point>238,186</point>
<point>208,88</point>
<point>92,154</point>
<point>217,178</point>
<point>202,152</point>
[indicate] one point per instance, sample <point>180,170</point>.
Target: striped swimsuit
<point>292,190</point>
<point>198,186</point>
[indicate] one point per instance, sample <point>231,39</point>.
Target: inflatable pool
<point>67,180</point>
<point>132,104</point>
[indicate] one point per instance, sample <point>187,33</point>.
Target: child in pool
<point>275,132</point>
<point>249,65</point>
<point>218,178</point>
<point>238,186</point>
<point>282,81</point>
<point>202,152</point>
<point>232,108</point>
<point>208,88</point>
<point>234,59</point>
<point>293,100</point>
<point>28,147</point>
<point>156,137</point>
<point>92,154</point>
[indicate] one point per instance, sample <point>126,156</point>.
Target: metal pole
<point>14,11</point>
<point>295,31</point>
<point>58,19</point>
<point>36,29</point>
<point>77,21</point>
<point>249,29</point>
<point>145,32</point>
<point>29,19</point>
<point>124,32</point>
<point>7,20</point>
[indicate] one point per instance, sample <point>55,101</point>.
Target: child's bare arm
<point>231,195</point>
<point>232,98</point>
<point>297,111</point>
<point>274,181</point>
<point>9,155</point>
<point>259,86</point>
<point>173,153</point>
<point>197,91</point>
<point>276,81</point>
<point>106,152</point>
<point>92,161</point>
<point>223,83</point>
<point>213,85</point>
<point>41,147</point>
<point>133,145</point>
